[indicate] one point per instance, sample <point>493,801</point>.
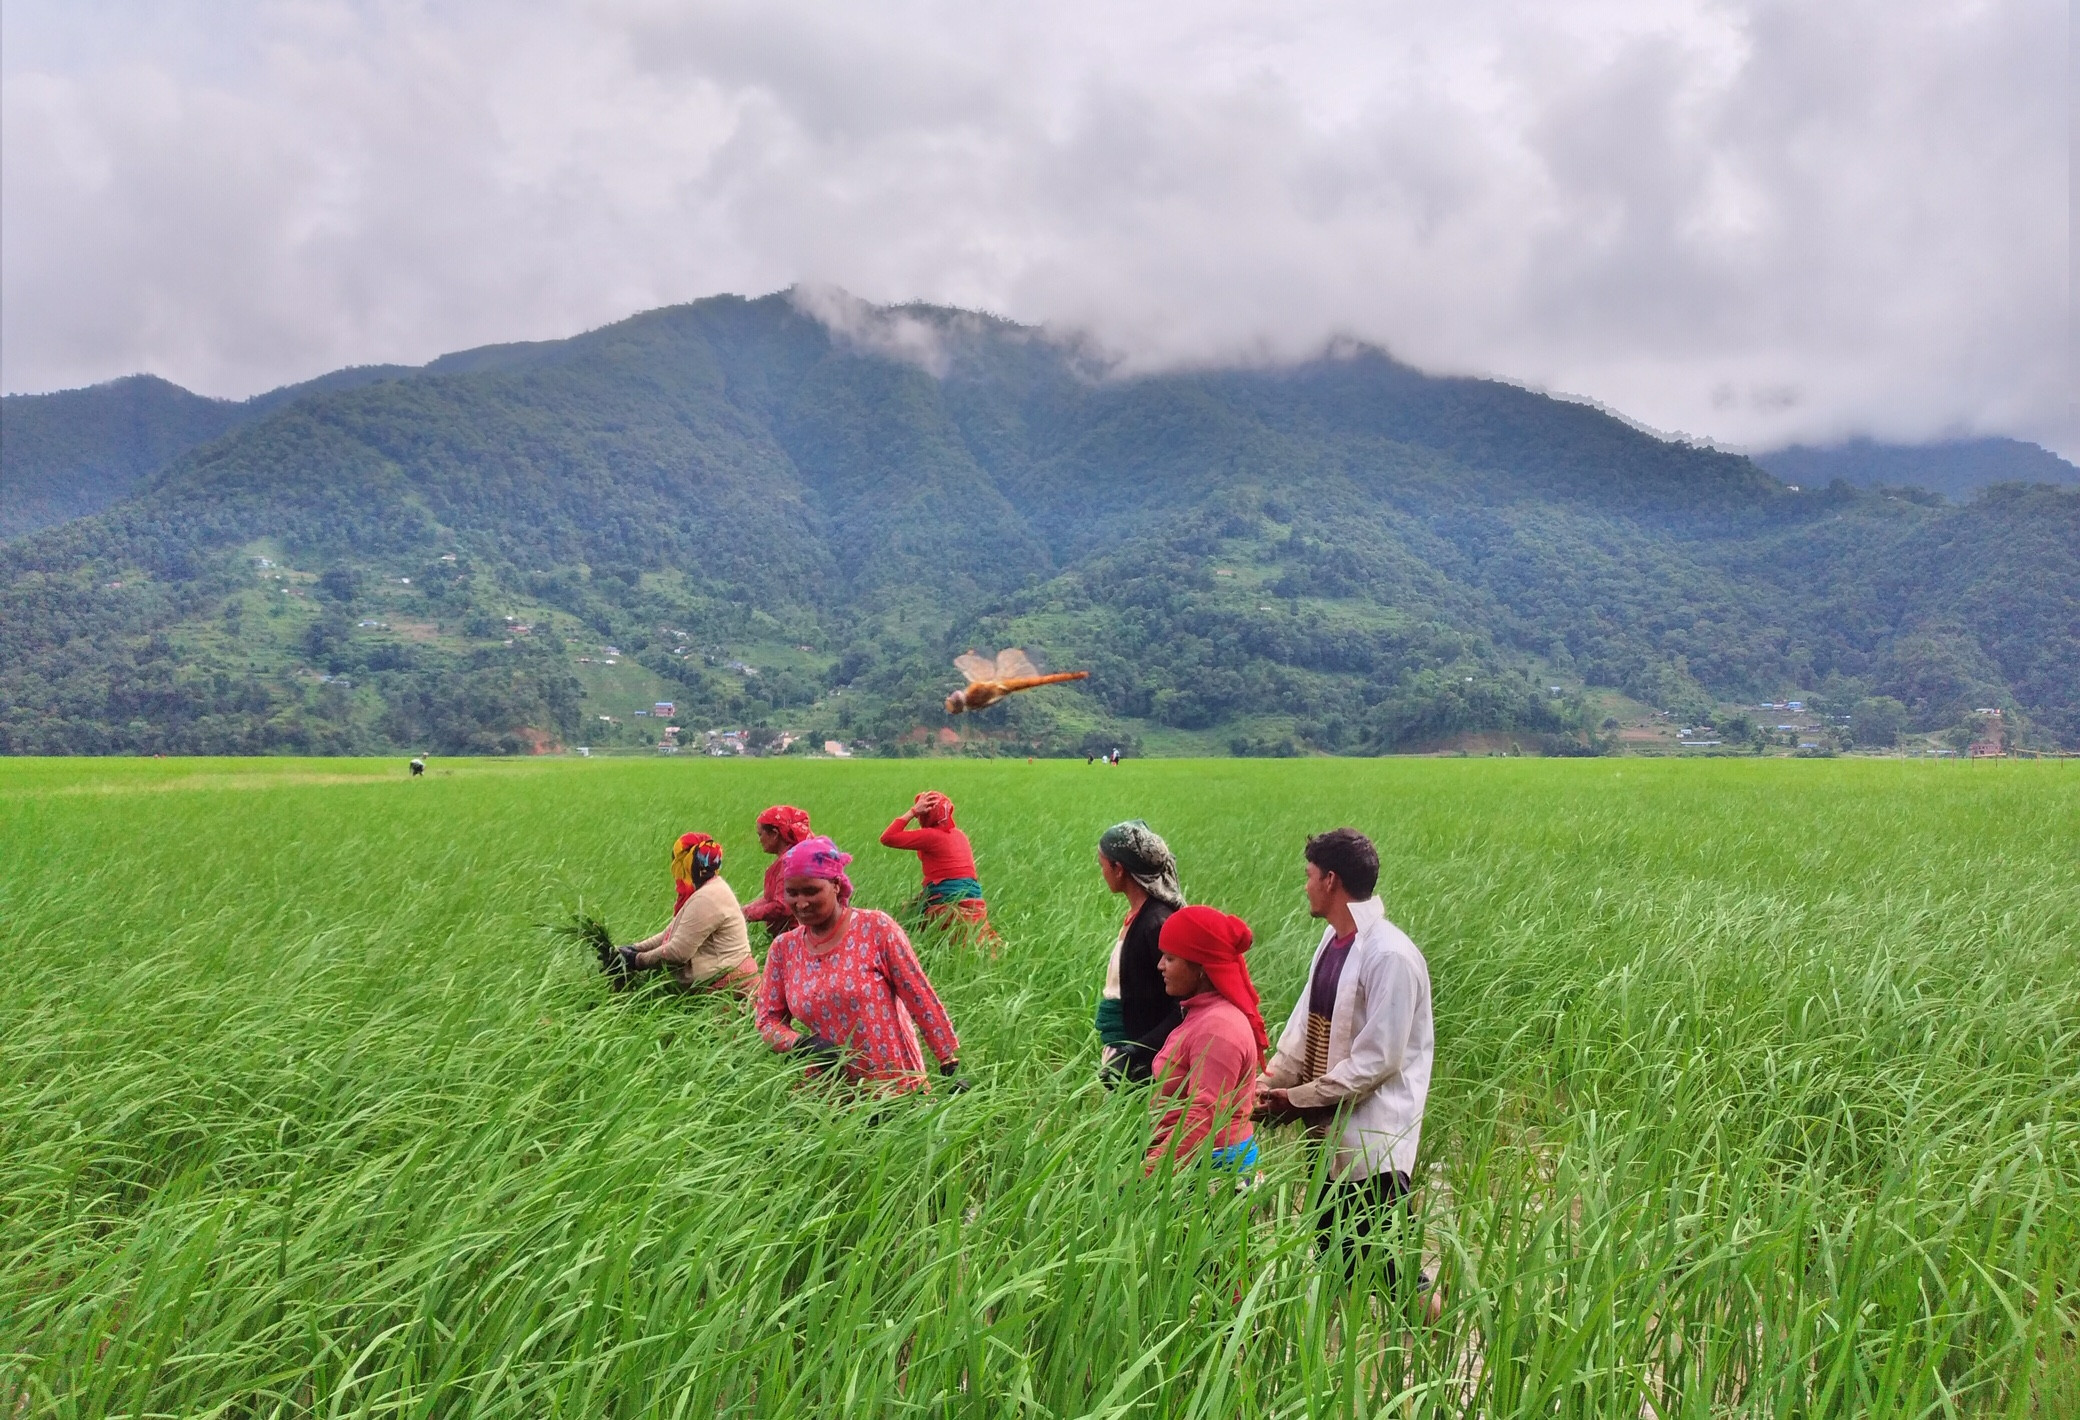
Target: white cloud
<point>1750,220</point>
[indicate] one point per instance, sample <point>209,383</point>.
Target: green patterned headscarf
<point>1140,850</point>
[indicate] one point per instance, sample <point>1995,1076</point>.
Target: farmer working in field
<point>706,944</point>
<point>1354,1059</point>
<point>1135,1012</point>
<point>952,893</point>
<point>779,829</point>
<point>849,974</point>
<point>1206,1072</point>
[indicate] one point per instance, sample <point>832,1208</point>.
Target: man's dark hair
<point>1350,855</point>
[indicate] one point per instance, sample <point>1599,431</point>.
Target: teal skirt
<point>947,890</point>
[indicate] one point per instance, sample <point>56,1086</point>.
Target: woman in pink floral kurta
<point>850,976</point>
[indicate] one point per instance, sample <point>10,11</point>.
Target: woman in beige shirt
<point>706,944</point>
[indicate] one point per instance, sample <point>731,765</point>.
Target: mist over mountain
<point>787,514</point>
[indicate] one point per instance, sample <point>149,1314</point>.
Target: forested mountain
<point>73,453</point>
<point>783,522</point>
<point>76,452</point>
<point>1957,468</point>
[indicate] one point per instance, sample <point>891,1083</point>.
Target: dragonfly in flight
<point>990,681</point>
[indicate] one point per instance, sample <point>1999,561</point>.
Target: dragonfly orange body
<point>990,681</point>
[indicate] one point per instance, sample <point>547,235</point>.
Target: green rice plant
<point>1758,1093</point>
<point>591,933</point>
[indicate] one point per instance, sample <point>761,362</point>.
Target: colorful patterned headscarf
<point>695,859</point>
<point>792,822</point>
<point>934,809</point>
<point>818,857</point>
<point>1140,850</point>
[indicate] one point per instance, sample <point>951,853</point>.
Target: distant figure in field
<point>706,944</point>
<point>952,894</point>
<point>850,975</point>
<point>1136,1012</point>
<point>1354,1059</point>
<point>1206,1072</point>
<point>418,767</point>
<point>779,829</point>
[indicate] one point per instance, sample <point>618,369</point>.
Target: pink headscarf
<point>818,857</point>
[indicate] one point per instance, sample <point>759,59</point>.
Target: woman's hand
<point>1275,1107</point>
<point>817,1051</point>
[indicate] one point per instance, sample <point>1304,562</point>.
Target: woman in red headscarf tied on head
<point>952,895</point>
<point>706,944</point>
<point>849,975</point>
<point>779,829</point>
<point>1206,1072</point>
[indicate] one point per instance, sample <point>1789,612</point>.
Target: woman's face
<point>769,838</point>
<point>1181,978</point>
<point>1116,877</point>
<point>813,901</point>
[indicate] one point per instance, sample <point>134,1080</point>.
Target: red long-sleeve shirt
<point>943,852</point>
<point>771,907</point>
<point>1206,1071</point>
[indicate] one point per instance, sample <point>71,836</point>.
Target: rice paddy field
<point>1757,1094</point>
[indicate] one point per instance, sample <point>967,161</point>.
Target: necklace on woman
<point>837,930</point>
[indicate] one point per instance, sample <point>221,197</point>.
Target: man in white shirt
<point>1354,1058</point>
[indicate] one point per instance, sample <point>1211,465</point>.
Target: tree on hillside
<point>1876,722</point>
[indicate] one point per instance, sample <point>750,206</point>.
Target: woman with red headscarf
<point>1206,1072</point>
<point>706,943</point>
<point>779,829</point>
<point>952,893</point>
<point>849,974</point>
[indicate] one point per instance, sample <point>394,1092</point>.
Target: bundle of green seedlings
<point>1755,1095</point>
<point>591,933</point>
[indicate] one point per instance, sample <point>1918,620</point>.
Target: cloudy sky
<point>1747,220</point>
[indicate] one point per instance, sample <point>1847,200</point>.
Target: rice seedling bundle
<point>1758,1093</point>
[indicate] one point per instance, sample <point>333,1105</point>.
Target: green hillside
<point>1955,468</point>
<point>783,530</point>
<point>73,453</point>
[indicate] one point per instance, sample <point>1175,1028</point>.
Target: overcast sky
<point>1748,221</point>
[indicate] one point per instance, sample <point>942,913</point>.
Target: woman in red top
<point>952,893</point>
<point>779,829</point>
<point>849,974</point>
<point>1206,1072</point>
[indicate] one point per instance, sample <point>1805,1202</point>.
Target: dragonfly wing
<point>976,667</point>
<point>1015,664</point>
